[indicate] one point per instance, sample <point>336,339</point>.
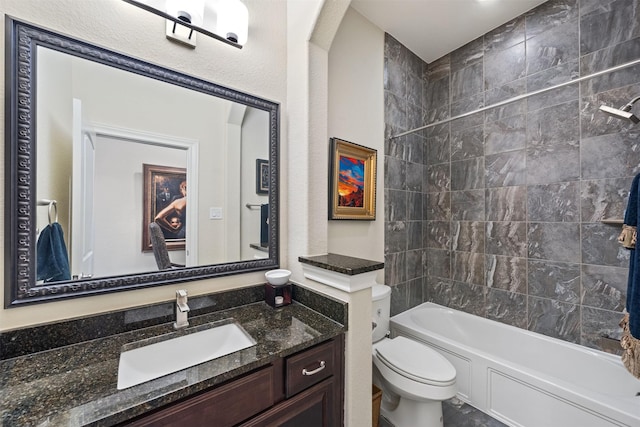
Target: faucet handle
<point>181,293</point>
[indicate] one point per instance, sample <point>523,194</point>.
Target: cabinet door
<point>224,406</point>
<point>311,408</point>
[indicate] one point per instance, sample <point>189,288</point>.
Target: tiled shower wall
<point>499,213</point>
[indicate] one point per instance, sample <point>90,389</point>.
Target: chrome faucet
<point>182,309</point>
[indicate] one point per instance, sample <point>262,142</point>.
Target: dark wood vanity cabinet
<point>304,389</point>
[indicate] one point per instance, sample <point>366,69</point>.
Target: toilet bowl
<point>413,377</point>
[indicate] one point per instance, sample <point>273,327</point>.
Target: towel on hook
<point>633,283</point>
<point>51,255</point>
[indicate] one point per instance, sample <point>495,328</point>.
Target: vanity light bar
<point>179,21</point>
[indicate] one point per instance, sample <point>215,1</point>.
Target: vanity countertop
<point>75,385</point>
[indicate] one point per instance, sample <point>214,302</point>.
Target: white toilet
<point>413,377</point>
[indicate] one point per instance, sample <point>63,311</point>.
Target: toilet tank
<point>381,299</point>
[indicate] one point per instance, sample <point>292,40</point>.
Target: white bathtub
<point>523,378</point>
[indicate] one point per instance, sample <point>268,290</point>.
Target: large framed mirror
<point>121,174</point>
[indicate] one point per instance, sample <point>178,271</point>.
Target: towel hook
<point>52,210</point>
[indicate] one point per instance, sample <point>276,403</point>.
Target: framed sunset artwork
<point>352,177</point>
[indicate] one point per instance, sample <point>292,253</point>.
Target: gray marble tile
<point>395,78</point>
<point>465,416</point>
<point>506,169</point>
<point>467,205</point>
<point>467,236</point>
<point>439,177</point>
<point>393,147</point>
<point>438,69</point>
<point>506,238</point>
<point>414,176</point>
<point>506,273</point>
<point>394,50</point>
<point>596,123</point>
<point>468,267</point>
<point>558,123</point>
<point>556,162</point>
<point>549,15</point>
<point>506,203</point>
<point>504,93</point>
<point>415,117</point>
<point>554,280</point>
<point>395,207</point>
<point>604,287</point>
<point>506,134</point>
<point>436,114</point>
<point>554,318</point>
<point>604,198</point>
<point>469,298</point>
<point>597,325</point>
<point>415,148</point>
<point>395,271</point>
<point>467,122</point>
<point>609,25</point>
<point>504,66</point>
<point>438,206</point>
<point>552,47</point>
<point>439,263</point>
<point>554,202</point>
<point>436,93</point>
<point>507,307</point>
<point>399,299</point>
<point>467,55</point>
<point>439,291</point>
<point>395,173</point>
<point>395,111</point>
<point>395,236</point>
<point>562,73</point>
<point>467,143</point>
<point>467,174</point>
<point>466,82</point>
<point>554,241</point>
<point>505,36</point>
<point>610,156</point>
<point>414,235</point>
<point>415,263</point>
<point>415,65</point>
<point>600,245</point>
<point>437,234</point>
<point>609,57</point>
<point>611,80</point>
<point>438,146</point>
<point>415,295</point>
<point>466,105</point>
<point>590,6</point>
<point>415,204</point>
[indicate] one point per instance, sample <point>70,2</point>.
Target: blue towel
<point>633,284</point>
<point>51,255</point>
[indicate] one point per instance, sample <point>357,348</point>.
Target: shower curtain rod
<point>519,97</point>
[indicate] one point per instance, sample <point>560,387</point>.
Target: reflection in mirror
<point>120,144</point>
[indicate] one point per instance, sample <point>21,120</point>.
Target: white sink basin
<point>162,358</point>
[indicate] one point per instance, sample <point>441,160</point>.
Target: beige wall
<point>259,68</point>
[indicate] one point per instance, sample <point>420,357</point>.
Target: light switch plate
<point>215,213</point>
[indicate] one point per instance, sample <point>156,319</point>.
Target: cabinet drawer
<point>309,367</point>
<point>224,406</point>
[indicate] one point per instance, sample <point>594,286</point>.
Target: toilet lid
<point>416,361</point>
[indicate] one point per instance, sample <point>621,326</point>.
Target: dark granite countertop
<point>342,263</point>
<point>75,385</point>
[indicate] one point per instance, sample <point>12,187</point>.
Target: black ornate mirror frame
<point>21,41</point>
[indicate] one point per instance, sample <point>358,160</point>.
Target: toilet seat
<point>416,361</point>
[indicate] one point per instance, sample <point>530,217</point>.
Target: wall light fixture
<point>223,20</point>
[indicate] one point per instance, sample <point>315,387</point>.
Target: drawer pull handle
<point>315,371</point>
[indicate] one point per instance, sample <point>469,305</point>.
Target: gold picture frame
<point>352,177</point>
